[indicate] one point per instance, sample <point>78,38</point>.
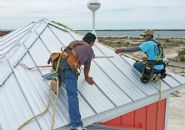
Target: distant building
<point>4,32</point>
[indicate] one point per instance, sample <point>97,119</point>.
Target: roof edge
<point>111,114</point>
<point>131,106</point>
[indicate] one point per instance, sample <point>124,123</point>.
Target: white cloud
<point>118,14</point>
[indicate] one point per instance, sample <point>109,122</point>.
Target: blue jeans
<point>139,66</point>
<point>70,81</point>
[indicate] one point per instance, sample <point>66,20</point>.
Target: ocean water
<point>136,33</point>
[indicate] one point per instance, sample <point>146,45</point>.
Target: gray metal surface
<point>23,93</point>
<point>100,127</point>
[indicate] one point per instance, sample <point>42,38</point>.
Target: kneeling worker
<point>154,63</point>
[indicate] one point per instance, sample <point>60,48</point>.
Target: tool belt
<point>154,62</point>
<point>148,70</point>
<point>69,56</point>
<point>149,65</point>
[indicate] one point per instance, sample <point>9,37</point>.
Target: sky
<point>113,14</point>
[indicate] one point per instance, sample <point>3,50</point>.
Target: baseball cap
<point>148,32</point>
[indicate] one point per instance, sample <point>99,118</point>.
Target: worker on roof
<point>154,63</point>
<point>84,55</point>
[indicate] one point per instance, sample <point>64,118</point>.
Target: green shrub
<point>181,55</point>
<point>127,43</point>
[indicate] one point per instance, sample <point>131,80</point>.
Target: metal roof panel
<point>5,72</point>
<point>117,89</point>
<point>14,108</point>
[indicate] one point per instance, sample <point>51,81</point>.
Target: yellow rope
<point>158,104</point>
<point>48,104</point>
<point>33,67</point>
<point>160,89</point>
<point>55,106</point>
<point>136,58</point>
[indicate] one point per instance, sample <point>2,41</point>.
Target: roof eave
<point>111,114</point>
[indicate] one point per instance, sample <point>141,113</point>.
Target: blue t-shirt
<point>152,51</point>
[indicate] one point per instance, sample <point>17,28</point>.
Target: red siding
<point>151,117</point>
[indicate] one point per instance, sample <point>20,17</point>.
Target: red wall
<point>145,118</point>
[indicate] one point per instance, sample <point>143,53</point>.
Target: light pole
<point>93,5</point>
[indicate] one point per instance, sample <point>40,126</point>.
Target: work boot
<point>163,75</point>
<point>79,128</point>
<point>156,77</point>
<point>145,79</point>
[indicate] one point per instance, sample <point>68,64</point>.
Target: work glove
<point>144,58</point>
<point>89,80</point>
<point>54,85</point>
<point>118,50</point>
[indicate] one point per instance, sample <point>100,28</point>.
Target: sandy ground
<point>177,112</point>
<point>177,106</point>
<point>177,100</point>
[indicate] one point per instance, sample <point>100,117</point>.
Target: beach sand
<point>177,112</point>
<point>176,115</point>
<point>177,106</point>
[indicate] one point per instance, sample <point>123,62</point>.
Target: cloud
<point>116,14</point>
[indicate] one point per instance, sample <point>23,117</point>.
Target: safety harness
<point>149,72</point>
<point>69,55</point>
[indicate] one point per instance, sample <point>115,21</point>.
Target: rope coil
<point>48,102</point>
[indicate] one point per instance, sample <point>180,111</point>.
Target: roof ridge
<point>10,45</point>
<point>13,31</point>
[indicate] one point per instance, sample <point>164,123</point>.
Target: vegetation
<point>167,40</point>
<point>181,55</point>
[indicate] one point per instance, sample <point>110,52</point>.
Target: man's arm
<point>86,71</point>
<point>85,56</point>
<point>131,49</point>
<point>86,75</point>
<point>128,49</point>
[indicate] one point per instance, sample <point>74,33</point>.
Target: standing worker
<point>154,51</point>
<point>83,53</point>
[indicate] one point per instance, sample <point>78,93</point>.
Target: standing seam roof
<point>23,93</point>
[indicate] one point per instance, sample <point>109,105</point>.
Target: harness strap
<point>74,52</point>
<point>58,64</point>
<point>160,48</point>
<point>154,62</point>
